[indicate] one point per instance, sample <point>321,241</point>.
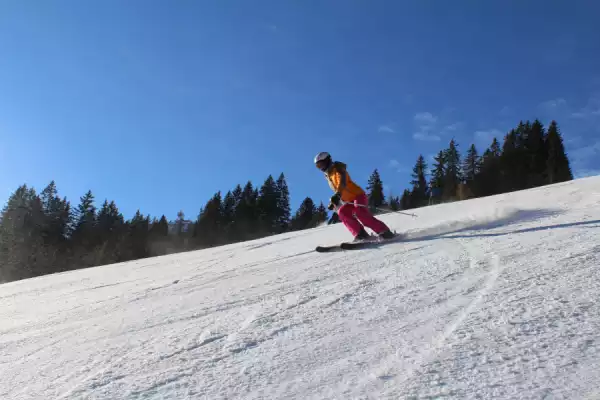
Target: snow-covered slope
<point>489,298</point>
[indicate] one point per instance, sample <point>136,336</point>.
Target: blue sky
<point>158,104</point>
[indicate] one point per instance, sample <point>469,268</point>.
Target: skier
<point>350,199</point>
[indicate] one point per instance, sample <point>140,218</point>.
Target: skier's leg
<point>346,214</point>
<point>367,219</point>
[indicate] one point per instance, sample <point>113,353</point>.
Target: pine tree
<point>558,168</point>
<point>245,224</point>
<point>305,216</point>
<point>521,132</point>
<point>86,211</point>
<point>109,229</point>
<point>22,252</point>
<point>57,221</point>
<point>237,195</point>
<point>471,166</point>
<point>48,197</point>
<point>438,175</point>
<point>419,183</point>
<point>495,150</point>
<point>109,220</point>
<point>283,204</point>
<point>521,166</point>
<point>267,202</point>
<point>395,203</point>
<point>84,234</point>
<point>64,221</point>
<point>227,213</point>
<point>509,163</point>
<point>321,215</point>
<point>537,155</point>
<point>488,179</point>
<point>405,200</point>
<point>375,191</point>
<point>39,256</point>
<point>160,229</point>
<point>159,242</point>
<point>207,230</point>
<point>136,244</point>
<point>453,173</point>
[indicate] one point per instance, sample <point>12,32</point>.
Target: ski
<point>342,246</point>
<point>360,245</point>
<point>328,249</point>
<point>375,241</point>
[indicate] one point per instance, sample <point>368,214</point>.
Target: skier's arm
<point>340,180</point>
<point>338,184</point>
<point>342,185</point>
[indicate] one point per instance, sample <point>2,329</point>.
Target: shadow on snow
<point>450,230</point>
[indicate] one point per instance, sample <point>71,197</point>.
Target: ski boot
<point>387,234</point>
<point>362,236</point>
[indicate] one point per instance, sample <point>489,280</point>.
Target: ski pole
<point>380,209</point>
<point>384,210</point>
<point>398,212</point>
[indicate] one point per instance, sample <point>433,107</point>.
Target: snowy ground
<point>489,298</point>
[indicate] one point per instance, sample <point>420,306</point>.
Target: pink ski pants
<point>353,216</point>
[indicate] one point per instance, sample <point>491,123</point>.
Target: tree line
<point>530,156</point>
<point>42,233</point>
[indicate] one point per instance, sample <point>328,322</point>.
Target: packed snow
<point>487,298</point>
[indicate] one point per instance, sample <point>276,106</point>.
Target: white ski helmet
<point>323,156</point>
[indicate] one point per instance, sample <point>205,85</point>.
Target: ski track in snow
<point>487,298</point>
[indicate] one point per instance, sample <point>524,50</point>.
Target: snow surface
<point>488,298</point>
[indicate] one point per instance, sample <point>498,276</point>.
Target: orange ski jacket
<point>340,182</point>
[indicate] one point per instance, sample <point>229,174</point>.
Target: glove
<point>330,207</point>
<point>335,199</point>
